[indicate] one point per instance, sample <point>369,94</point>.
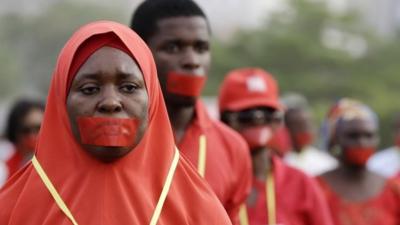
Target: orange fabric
<point>228,163</point>
<point>252,87</point>
<point>122,192</point>
<point>299,201</point>
<point>382,209</point>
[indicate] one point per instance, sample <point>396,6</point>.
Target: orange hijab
<point>122,192</point>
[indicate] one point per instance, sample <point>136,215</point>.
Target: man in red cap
<point>178,34</point>
<point>248,102</point>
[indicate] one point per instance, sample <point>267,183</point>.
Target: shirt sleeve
<point>318,209</point>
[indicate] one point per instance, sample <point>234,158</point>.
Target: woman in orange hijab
<point>106,153</point>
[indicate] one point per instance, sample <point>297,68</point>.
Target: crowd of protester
<point>125,138</point>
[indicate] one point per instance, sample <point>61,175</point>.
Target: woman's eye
<point>89,89</point>
<point>128,88</point>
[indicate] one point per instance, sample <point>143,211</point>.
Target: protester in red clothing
<point>22,129</point>
<point>248,102</point>
<point>106,153</point>
<point>356,195</point>
<point>178,34</point>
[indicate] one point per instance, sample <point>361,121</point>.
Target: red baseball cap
<point>247,88</point>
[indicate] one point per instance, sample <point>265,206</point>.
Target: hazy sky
<point>225,15</point>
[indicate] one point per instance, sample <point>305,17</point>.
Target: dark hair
<point>144,19</point>
<point>18,112</point>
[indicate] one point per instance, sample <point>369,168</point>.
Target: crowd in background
<point>263,161</point>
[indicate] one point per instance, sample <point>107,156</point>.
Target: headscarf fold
<point>344,109</point>
<point>124,191</point>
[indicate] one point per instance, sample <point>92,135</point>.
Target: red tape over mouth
<point>185,84</point>
<point>108,132</point>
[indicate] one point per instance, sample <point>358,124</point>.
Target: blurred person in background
<point>249,103</point>
<point>387,161</point>
<point>22,129</point>
<point>106,152</point>
<point>355,195</point>
<point>299,123</point>
<point>178,34</point>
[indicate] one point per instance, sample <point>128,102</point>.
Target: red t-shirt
<point>299,201</point>
<point>227,164</point>
<point>384,209</point>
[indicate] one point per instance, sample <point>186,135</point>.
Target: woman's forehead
<point>108,58</point>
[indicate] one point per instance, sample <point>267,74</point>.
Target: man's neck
<point>262,162</point>
<point>180,118</point>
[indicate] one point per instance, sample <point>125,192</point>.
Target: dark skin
<point>261,157</point>
<point>30,126</point>
<point>351,182</point>
<point>298,120</point>
<point>109,84</point>
<point>182,45</point>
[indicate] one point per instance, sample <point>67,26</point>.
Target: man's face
<point>181,45</point>
<point>109,84</point>
<point>298,121</point>
<point>256,125</point>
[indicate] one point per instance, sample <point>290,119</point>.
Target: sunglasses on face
<point>263,115</point>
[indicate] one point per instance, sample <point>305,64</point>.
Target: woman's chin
<point>108,154</point>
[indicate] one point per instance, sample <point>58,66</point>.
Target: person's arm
<point>318,210</point>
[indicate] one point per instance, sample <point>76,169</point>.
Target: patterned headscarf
<point>344,109</point>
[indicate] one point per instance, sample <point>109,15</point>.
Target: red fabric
<point>185,84</point>
<point>122,192</point>
<point>228,163</point>
<point>252,87</point>
<point>105,131</point>
<point>299,201</point>
<point>86,49</point>
<point>383,209</point>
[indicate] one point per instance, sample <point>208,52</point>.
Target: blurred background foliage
<point>291,47</point>
<point>309,50</point>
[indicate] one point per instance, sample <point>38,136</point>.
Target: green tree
<point>291,47</point>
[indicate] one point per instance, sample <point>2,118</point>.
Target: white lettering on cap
<point>256,84</point>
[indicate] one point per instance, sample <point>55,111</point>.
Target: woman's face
<point>108,84</point>
<point>26,139</point>
<point>357,133</point>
